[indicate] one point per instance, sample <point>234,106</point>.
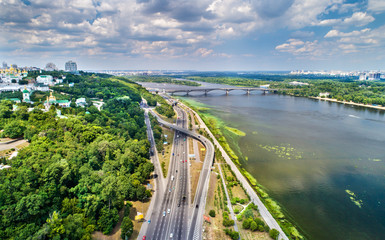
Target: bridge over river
<point>207,90</point>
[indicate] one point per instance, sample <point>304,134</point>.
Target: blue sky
<point>195,35</point>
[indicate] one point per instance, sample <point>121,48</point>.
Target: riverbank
<point>269,210</point>
<point>349,103</point>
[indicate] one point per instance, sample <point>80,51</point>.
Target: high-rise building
<point>50,67</point>
<point>71,66</point>
<point>5,65</point>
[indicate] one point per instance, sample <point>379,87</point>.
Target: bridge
<point>227,90</point>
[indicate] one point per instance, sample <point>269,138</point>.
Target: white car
<point>168,211</point>
<point>164,213</point>
<point>171,235</point>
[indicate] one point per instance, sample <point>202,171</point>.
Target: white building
<point>295,83</point>
<point>71,66</point>
<point>26,94</point>
<point>45,79</point>
<point>81,102</point>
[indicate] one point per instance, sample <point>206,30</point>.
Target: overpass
<point>227,90</point>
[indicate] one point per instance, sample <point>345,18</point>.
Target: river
<point>323,162</point>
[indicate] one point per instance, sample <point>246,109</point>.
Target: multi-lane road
<point>172,217</point>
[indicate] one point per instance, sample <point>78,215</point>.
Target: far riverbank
<point>349,103</point>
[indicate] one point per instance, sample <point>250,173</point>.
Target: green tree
<point>108,219</point>
<point>212,213</point>
<point>14,129</point>
<point>246,223</point>
<point>274,233</point>
<point>127,228</point>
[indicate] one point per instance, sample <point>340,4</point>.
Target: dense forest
<point>77,172</point>
<point>163,79</point>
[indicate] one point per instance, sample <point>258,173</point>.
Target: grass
<point>235,131</point>
<point>195,170</point>
<point>165,159</point>
<point>202,154</point>
<point>214,230</point>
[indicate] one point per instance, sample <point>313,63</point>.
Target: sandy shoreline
<point>349,103</point>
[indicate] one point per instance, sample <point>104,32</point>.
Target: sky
<point>207,35</point>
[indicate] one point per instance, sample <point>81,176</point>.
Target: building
<point>50,67</point>
<point>295,83</point>
<point>5,65</point>
<point>81,102</point>
<point>26,95</point>
<point>71,66</point>
<point>12,75</point>
<point>45,79</point>
<point>51,100</point>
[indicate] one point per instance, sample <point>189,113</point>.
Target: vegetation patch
<point>354,198</point>
<point>236,131</point>
<point>284,151</point>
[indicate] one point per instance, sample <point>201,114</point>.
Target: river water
<point>324,163</point>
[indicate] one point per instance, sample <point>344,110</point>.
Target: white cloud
<point>336,33</point>
<point>376,5</point>
<point>359,19</point>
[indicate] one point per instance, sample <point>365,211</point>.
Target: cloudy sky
<point>195,34</point>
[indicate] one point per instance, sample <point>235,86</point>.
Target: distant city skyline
<point>204,35</point>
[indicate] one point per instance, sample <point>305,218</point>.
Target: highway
<point>170,219</point>
<point>194,227</point>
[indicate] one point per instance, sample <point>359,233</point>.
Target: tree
<point>14,129</point>
<point>274,233</point>
<point>212,213</point>
<point>246,223</point>
<point>108,219</point>
<point>127,228</point>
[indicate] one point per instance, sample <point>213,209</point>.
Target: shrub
<point>233,234</point>
<point>236,210</point>
<point>212,213</point>
<point>246,223</point>
<point>239,217</point>
<point>274,233</point>
<point>242,201</point>
<point>253,226</point>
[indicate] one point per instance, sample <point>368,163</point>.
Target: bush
<point>253,226</point>
<point>239,217</point>
<point>242,201</point>
<point>236,210</point>
<point>227,222</point>
<point>212,213</point>
<point>233,234</point>
<point>246,223</point>
<point>274,233</point>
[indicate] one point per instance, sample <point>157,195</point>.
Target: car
<point>178,204</point>
<point>164,213</point>
<point>144,238</point>
<point>168,211</point>
<point>197,206</point>
<point>171,235</point>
